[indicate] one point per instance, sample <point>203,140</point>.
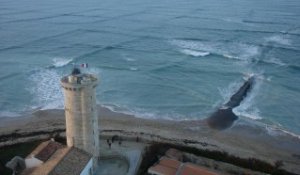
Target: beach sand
<point>244,139</point>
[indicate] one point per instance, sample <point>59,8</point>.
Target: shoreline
<point>241,140</point>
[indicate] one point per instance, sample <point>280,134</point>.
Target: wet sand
<point>243,139</point>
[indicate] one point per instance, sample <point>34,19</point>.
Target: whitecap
<point>60,62</point>
<point>279,39</point>
<point>234,50</point>
<point>194,53</point>
<point>230,56</point>
<point>254,115</point>
<point>228,91</point>
<point>247,107</point>
<point>133,68</point>
<point>130,59</point>
<point>276,61</point>
<point>247,51</point>
<point>127,58</point>
<point>248,75</point>
<point>142,113</point>
<point>46,89</point>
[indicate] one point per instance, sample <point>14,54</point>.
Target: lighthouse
<point>82,130</point>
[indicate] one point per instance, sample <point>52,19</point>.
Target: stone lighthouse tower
<point>81,111</point>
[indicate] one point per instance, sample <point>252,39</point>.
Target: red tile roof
<point>162,170</point>
<point>172,163</point>
<point>167,166</point>
<point>191,169</point>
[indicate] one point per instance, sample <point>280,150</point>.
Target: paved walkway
<point>123,158</point>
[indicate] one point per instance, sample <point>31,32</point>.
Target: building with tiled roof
<point>53,158</point>
<point>169,166</point>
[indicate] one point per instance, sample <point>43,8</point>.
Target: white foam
<point>276,61</point>
<point>227,92</point>
<point>9,114</point>
<point>192,45</point>
<point>254,114</point>
<point>247,107</point>
<point>279,39</point>
<point>248,75</point>
<point>127,58</point>
<point>233,20</point>
<point>258,76</point>
<point>130,59</point>
<point>46,89</point>
<point>60,62</point>
<point>194,53</point>
<point>234,50</point>
<point>247,51</point>
<point>142,113</point>
<point>133,68</point>
<point>275,131</point>
<point>230,56</point>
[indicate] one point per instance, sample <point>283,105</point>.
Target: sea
<point>156,59</point>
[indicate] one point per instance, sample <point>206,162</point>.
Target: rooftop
<point>72,163</point>
<point>57,160</point>
<point>48,151</point>
<point>168,166</point>
<point>192,169</point>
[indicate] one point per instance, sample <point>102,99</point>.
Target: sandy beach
<point>243,139</point>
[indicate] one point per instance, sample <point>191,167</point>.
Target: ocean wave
<point>194,53</point>
<point>295,67</point>
<point>263,22</point>
<point>46,89</point>
<point>227,92</point>
<point>275,61</point>
<point>230,56</point>
<point>129,59</point>
<point>276,131</point>
<point>233,20</point>
<point>61,62</point>
<point>133,68</point>
<point>233,50</point>
<point>127,111</point>
<point>254,115</point>
<point>142,113</point>
<point>278,39</point>
<point>9,76</point>
<point>9,114</point>
<point>247,107</point>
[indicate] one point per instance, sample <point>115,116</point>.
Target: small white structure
<point>33,162</point>
<point>82,129</point>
